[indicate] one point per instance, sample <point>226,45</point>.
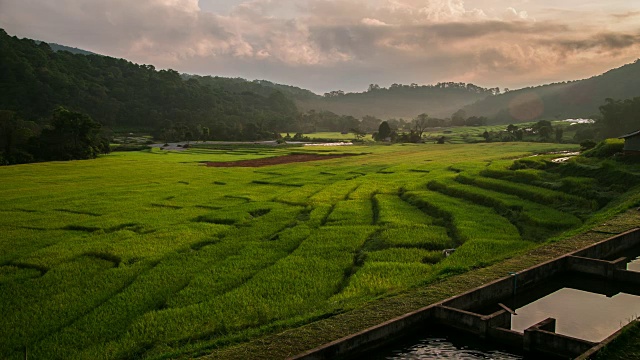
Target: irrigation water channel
<point>567,307</point>
<point>584,306</point>
<point>441,343</point>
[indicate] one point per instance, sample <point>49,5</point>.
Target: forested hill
<point>57,47</point>
<point>399,101</point>
<point>261,87</point>
<point>34,80</point>
<point>574,99</point>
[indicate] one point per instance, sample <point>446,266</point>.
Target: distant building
<point>631,143</point>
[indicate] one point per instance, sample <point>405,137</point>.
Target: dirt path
<point>286,159</point>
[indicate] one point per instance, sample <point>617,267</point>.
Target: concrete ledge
<point>487,294</point>
<point>471,322</point>
<point>369,338</point>
<point>507,337</point>
<point>610,246</point>
<point>543,339</point>
<point>598,267</point>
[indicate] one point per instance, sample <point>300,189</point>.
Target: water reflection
<point>582,314</point>
<point>634,265</point>
<point>446,345</point>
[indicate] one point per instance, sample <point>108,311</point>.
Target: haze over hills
<point>397,101</point>
<point>400,101</point>
<point>574,99</point>
<point>119,93</point>
<point>57,47</point>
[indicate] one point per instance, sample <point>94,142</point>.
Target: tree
<point>384,131</point>
<point>373,87</point>
<point>619,116</point>
<point>72,136</point>
<point>559,133</point>
<point>15,134</point>
<point>359,134</point>
<point>204,133</point>
<point>544,129</point>
<point>519,134</point>
<point>420,124</point>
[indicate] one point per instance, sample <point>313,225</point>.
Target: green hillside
<point>35,79</point>
<point>57,47</point>
<point>575,99</point>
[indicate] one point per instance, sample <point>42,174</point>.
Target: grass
<point>150,254</point>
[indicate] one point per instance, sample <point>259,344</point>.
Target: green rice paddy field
<point>152,254</point>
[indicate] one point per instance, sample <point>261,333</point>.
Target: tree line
<point>67,135</point>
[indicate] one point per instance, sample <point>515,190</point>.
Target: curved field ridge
<point>285,159</point>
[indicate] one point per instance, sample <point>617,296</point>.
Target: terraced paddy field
<point>156,255</point>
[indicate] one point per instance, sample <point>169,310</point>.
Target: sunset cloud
<point>345,44</point>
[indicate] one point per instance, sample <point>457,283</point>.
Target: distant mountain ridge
<point>57,47</point>
<point>574,99</point>
<point>400,101</point>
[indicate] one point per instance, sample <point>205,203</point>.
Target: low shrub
<point>605,148</point>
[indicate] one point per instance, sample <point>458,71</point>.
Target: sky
<point>325,45</point>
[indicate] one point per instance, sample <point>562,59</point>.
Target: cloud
<point>626,15</point>
<point>605,41</point>
<point>373,22</point>
<point>329,44</point>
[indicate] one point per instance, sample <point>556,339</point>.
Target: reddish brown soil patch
<point>275,160</point>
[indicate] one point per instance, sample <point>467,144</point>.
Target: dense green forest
<point>119,94</point>
<point>574,99</point>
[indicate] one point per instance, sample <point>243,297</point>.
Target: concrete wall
<point>556,344</point>
<point>602,268</point>
<point>373,337</point>
<point>471,322</point>
<point>507,337</point>
<point>612,245</point>
<point>505,287</point>
<point>460,319</point>
<point>627,276</point>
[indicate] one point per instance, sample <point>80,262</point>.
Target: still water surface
<point>578,313</point>
<point>442,344</point>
